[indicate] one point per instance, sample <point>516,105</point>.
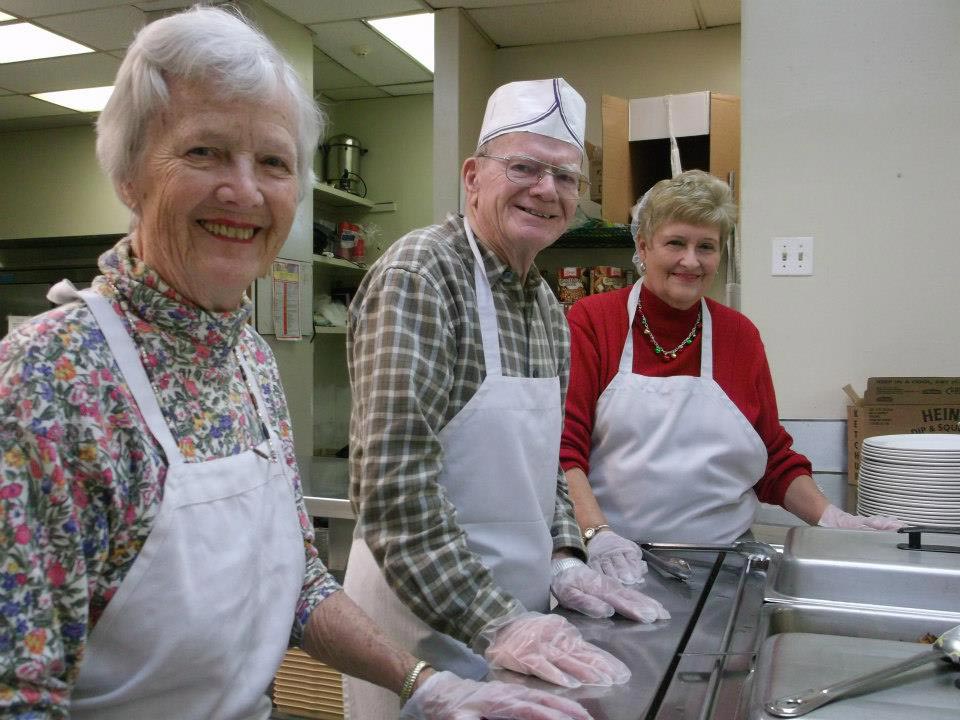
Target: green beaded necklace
<point>668,355</point>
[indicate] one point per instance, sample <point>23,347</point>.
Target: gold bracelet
<point>406,690</point>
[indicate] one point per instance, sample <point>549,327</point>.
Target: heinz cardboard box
<point>898,406</point>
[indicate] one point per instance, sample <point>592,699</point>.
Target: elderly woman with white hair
<point>157,558</point>
<point>671,431</point>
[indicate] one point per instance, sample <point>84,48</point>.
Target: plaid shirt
<point>415,357</point>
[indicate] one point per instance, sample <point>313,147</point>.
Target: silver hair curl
<point>214,45</point>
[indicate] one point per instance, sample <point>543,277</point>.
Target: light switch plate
<point>792,256</point>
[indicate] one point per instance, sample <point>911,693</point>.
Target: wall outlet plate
<point>792,256</point>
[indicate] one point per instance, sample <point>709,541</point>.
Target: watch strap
<point>591,531</point>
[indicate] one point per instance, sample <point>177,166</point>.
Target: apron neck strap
<point>706,333</point>
<point>128,359</point>
<point>485,308</point>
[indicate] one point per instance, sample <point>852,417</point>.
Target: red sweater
<point>598,330</point>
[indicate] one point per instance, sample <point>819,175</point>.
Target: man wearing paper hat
<point>458,360</point>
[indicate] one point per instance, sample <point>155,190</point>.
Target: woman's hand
<point>834,517</point>
<point>612,555</point>
<point>552,649</point>
<point>579,587</point>
<point>444,696</point>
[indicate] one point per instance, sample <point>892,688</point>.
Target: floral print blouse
<point>81,478</point>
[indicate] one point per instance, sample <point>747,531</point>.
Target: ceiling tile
<point>37,8</point>
<point>60,73</point>
<point>358,93</point>
<point>328,74</point>
<point>22,106</point>
<point>470,4</point>
<point>107,29</point>
<point>311,11</point>
<point>720,12</point>
<point>571,20</point>
<point>424,88</point>
<point>383,63</point>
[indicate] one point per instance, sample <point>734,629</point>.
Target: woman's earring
<point>641,266</point>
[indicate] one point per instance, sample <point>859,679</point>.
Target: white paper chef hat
<point>547,107</point>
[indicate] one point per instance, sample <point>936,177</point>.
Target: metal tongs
<point>755,552</point>
<point>674,567</point>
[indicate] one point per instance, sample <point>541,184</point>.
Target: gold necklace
<point>668,355</point>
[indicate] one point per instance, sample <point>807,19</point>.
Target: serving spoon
<point>791,706</point>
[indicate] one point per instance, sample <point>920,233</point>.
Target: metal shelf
<point>335,262</point>
<point>335,197</point>
<point>596,236</point>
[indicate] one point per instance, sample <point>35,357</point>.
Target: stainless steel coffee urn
<point>341,164</point>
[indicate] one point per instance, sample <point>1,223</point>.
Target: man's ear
<point>469,172</point>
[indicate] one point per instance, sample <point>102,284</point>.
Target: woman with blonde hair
<point>671,431</point>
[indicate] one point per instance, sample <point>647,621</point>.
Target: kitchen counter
<point>325,482</point>
<point>680,667</point>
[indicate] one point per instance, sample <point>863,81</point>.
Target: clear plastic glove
<point>444,696</point>
<point>617,557</point>
<point>551,648</point>
<point>581,588</point>
<point>834,517</point>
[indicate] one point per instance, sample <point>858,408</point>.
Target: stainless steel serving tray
<point>816,645</point>
<point>866,568</point>
<point>840,603</point>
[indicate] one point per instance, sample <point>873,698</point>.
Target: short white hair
<point>213,45</point>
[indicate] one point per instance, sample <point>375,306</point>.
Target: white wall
<point>850,113</point>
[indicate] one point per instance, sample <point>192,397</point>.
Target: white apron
<point>200,624</point>
<point>673,459</point>
<point>500,464</point>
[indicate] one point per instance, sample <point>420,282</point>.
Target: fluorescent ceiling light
<point>411,33</point>
<point>81,100</point>
<point>23,41</point>
<point>4,17</point>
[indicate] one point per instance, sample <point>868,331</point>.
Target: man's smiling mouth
<point>535,213</point>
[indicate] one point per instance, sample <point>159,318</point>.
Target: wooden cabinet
<point>636,145</point>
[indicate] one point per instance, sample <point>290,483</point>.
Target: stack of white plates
<point>915,478</point>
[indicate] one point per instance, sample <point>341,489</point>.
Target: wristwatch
<point>591,531</point>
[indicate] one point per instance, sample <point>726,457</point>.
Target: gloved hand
<point>617,557</point>
<point>579,587</point>
<point>444,696</point>
<point>551,648</point>
<point>834,517</point>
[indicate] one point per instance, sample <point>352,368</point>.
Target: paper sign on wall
<point>285,277</point>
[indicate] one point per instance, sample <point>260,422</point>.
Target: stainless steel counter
<point>680,666</point>
<point>325,483</point>
<point>745,631</point>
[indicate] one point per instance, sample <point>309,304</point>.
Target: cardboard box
<point>636,147</point>
<point>900,405</point>
<point>595,171</point>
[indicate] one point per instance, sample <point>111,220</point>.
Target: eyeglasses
<point>527,172</point>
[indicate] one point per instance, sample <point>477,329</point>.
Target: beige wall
<point>397,168</point>
<point>850,113</point>
<point>631,66</point>
<point>462,82</point>
<point>52,186</point>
